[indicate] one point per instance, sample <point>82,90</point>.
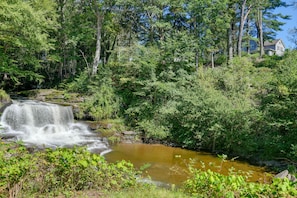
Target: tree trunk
<point>259,27</point>
<point>248,46</point>
<point>197,60</point>
<point>230,42</point>
<point>108,51</point>
<point>62,37</point>
<point>260,32</point>
<point>243,16</point>
<point>212,60</point>
<point>98,43</point>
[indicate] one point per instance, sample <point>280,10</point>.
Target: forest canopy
<point>45,42</point>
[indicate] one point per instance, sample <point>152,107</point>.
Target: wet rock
<point>129,137</point>
<point>4,105</point>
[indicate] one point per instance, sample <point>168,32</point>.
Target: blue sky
<point>284,34</point>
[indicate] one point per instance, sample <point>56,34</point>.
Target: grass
<point>147,191</point>
<point>142,191</point>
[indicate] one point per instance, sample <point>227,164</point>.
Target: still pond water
<point>170,165</point>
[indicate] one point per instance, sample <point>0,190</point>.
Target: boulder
<point>282,174</point>
<point>286,174</point>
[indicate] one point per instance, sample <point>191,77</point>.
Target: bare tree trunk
<point>98,42</point>
<point>108,51</point>
<point>248,46</point>
<point>197,60</point>
<point>212,60</point>
<point>243,16</point>
<point>259,26</point>
<point>62,37</point>
<point>230,42</point>
<point>260,32</point>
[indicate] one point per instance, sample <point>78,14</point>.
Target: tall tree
<point>259,25</point>
<point>99,21</point>
<point>208,22</point>
<point>245,9</point>
<point>230,31</point>
<point>25,31</point>
<point>266,21</point>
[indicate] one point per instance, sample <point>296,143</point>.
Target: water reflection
<point>170,165</point>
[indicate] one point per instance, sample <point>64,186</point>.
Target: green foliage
<point>177,52</point>
<point>153,129</point>
<point>269,61</point>
<point>80,84</point>
<point>25,35</point>
<point>279,106</point>
<point>101,100</point>
<point>212,184</point>
<point>15,165</point>
<point>103,104</point>
<point>51,171</point>
<point>214,110</point>
<point>154,71</point>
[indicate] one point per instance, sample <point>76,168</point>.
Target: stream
<point>169,165</point>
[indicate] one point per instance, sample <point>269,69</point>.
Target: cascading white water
<point>47,125</point>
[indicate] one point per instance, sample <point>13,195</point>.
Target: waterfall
<point>43,124</point>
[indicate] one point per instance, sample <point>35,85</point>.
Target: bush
<point>61,170</point>
<point>15,164</point>
<point>212,184</point>
<point>103,104</point>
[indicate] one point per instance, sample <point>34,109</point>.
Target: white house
<point>274,47</point>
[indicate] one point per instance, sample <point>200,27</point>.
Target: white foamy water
<point>43,124</point>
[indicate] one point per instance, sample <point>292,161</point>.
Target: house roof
<point>272,42</point>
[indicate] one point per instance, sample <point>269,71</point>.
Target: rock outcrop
<point>4,100</point>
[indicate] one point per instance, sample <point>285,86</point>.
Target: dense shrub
<point>212,184</point>
<point>15,164</point>
<point>278,105</point>
<point>52,171</point>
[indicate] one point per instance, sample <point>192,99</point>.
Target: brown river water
<point>170,165</point>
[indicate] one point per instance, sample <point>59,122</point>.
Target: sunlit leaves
<point>211,184</point>
<point>51,171</point>
<point>24,35</point>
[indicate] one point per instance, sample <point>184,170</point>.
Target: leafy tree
<point>245,9</point>
<point>208,22</point>
<point>25,40</point>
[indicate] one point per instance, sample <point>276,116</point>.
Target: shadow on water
<point>170,165</point>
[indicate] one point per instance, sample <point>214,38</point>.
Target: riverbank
<point>75,172</point>
<point>116,131</point>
